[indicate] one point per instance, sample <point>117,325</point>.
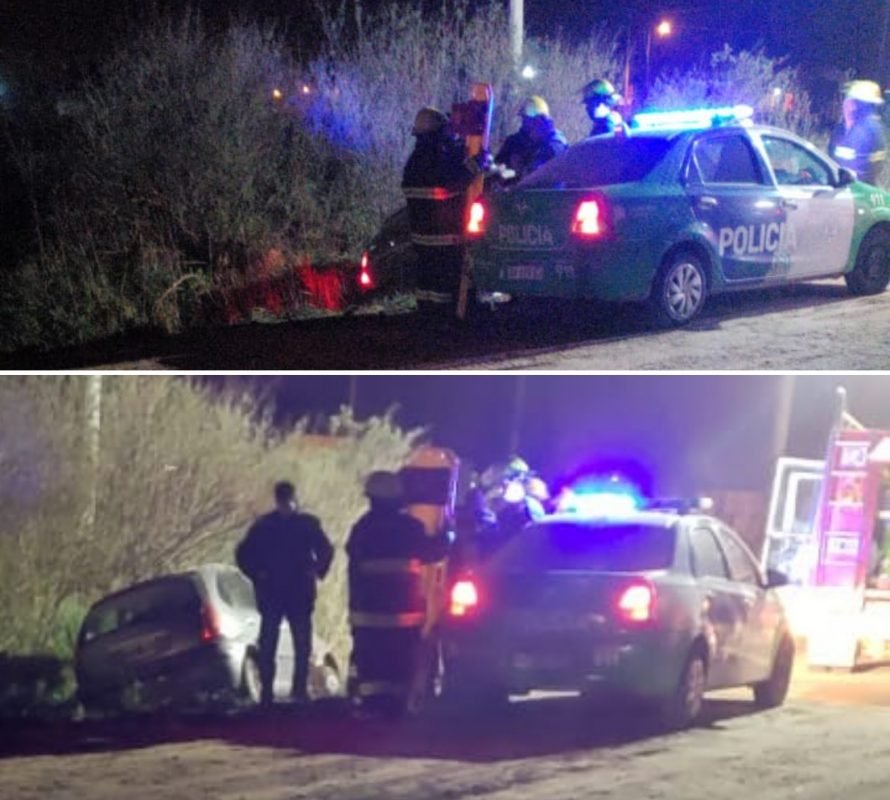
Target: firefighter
<point>435,180</point>
<point>601,101</point>
<point>534,144</point>
<point>284,553</point>
<point>388,610</point>
<point>857,142</point>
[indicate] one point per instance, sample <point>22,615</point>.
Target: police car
<point>684,205</point>
<point>660,604</point>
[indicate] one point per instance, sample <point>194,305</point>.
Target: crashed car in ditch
<point>185,638</point>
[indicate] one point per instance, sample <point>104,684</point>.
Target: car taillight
<point>636,603</point>
<point>588,222</point>
<point>476,219</point>
<point>364,277</point>
<point>209,624</point>
<point>464,598</point>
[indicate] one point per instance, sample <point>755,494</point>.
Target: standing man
<point>284,553</point>
<point>388,608</point>
<point>435,180</point>
<point>857,142</point>
<point>602,101</point>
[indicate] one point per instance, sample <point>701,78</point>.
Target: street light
<point>662,30</point>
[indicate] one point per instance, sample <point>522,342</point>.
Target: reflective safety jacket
<point>862,148</point>
<point>434,182</point>
<point>388,552</point>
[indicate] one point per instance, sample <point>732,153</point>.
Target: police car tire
<point>680,288</point>
<point>681,709</point>
<point>772,692</point>
<point>871,273</point>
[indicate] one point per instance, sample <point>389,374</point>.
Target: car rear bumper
<point>609,271</point>
<point>208,667</point>
<point>643,666</point>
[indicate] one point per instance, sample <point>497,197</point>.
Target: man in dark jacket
<point>435,180</point>
<point>601,101</point>
<point>284,553</point>
<point>858,141</point>
<point>535,143</point>
<point>388,607</point>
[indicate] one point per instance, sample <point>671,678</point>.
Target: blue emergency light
<point>601,498</point>
<point>691,119</point>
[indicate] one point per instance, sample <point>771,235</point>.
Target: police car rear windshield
<point>587,546</point>
<point>600,162</point>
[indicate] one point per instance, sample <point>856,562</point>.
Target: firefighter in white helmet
<point>858,142</point>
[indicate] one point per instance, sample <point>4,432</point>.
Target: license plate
<point>525,661</point>
<point>525,272</point>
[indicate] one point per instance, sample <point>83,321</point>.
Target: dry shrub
<point>180,475</point>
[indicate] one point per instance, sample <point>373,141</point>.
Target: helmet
<point>382,485</point>
<point>600,90</point>
<point>864,92</point>
<point>517,464</point>
<point>536,488</point>
<point>534,106</point>
<point>428,120</point>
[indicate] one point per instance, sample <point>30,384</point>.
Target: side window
<point>741,565</point>
<point>235,590</point>
<point>707,560</point>
<point>726,159</point>
<point>794,165</point>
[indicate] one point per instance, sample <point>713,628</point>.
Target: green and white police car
<point>684,205</point>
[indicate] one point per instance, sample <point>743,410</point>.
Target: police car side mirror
<point>775,579</point>
<point>845,177</point>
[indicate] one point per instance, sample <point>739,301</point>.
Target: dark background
<point>685,433</point>
<point>821,35</point>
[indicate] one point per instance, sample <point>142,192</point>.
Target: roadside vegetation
<point>197,176</point>
<point>94,502</point>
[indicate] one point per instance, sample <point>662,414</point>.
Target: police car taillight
<point>636,602</point>
<point>364,276</point>
<point>476,219</point>
<point>464,598</point>
<point>588,222</point>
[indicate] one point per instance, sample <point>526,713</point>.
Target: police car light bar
<point>691,119</point>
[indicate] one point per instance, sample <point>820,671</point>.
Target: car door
<point>759,618</point>
<point>820,216</point>
<point>736,205</point>
<point>721,613</point>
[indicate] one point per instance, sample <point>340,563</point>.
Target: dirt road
<point>831,741</point>
<point>806,327</point>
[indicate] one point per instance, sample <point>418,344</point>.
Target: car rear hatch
<point>142,633</point>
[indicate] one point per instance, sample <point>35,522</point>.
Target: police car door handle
<point>707,202</point>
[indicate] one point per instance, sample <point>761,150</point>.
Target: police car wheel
<point>251,684</point>
<point>772,692</point>
<point>682,708</point>
<point>871,273</point>
<point>680,289</point>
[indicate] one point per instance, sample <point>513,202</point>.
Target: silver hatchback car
<point>182,638</point>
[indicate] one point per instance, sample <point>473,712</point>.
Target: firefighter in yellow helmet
<point>534,144</point>
<point>858,142</point>
<point>388,550</point>
<point>602,101</point>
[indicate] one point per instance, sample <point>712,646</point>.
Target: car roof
<point>661,518</point>
<point>204,573</point>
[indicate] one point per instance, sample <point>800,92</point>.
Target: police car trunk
<point>577,227</point>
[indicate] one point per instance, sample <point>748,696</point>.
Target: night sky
<point>688,433</point>
<point>824,35</point>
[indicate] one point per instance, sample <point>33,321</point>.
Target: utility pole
<point>518,403</point>
<point>517,27</point>
<point>94,436</point>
